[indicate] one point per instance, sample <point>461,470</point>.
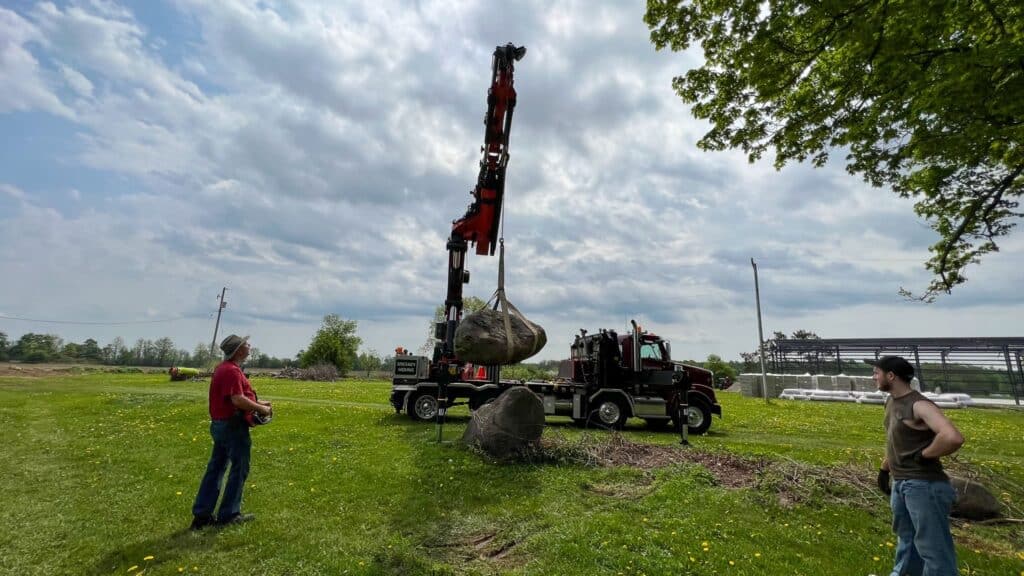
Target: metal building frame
<point>972,365</point>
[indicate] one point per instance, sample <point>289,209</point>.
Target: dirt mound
<point>729,470</point>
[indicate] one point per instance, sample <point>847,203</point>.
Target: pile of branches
<point>316,373</point>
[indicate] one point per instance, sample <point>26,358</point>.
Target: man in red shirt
<point>231,397</point>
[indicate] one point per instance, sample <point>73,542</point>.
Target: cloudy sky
<point>311,156</point>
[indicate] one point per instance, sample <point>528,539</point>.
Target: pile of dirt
<point>729,470</point>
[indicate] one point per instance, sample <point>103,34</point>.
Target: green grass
<point>100,471</point>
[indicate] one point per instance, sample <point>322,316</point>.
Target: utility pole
<point>223,304</point>
<point>760,333</point>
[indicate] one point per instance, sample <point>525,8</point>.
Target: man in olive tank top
<point>917,435</point>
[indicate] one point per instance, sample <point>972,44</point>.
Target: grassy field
<point>100,471</point>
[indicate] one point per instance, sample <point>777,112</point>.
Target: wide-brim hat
<point>895,364</point>
<point>231,344</point>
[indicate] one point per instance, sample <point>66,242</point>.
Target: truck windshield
<point>651,350</point>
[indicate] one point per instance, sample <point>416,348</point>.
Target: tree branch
<point>991,198</point>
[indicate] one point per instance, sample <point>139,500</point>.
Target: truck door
<point>655,369</point>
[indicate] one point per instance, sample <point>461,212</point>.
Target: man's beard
<point>884,387</point>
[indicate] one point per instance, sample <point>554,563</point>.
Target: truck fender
<point>613,392</point>
<point>417,388</point>
<point>715,407</point>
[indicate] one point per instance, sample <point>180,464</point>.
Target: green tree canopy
<point>720,367</point>
<point>924,95</point>
<point>334,343</point>
<point>37,348</point>
<point>4,344</point>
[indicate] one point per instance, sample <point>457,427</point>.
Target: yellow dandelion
<point>875,558</point>
<point>148,558</point>
<point>181,568</point>
<point>644,520</point>
<point>133,568</point>
<point>704,544</point>
<point>692,559</point>
<point>178,493</point>
<point>757,554</point>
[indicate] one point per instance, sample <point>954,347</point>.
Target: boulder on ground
<point>507,426</point>
<point>974,501</point>
<point>481,338</point>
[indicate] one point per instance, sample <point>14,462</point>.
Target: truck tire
<point>422,405</point>
<point>609,412</point>
<point>698,416</point>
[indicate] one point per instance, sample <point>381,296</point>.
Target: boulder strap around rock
<point>499,299</point>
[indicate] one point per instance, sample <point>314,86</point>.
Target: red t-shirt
<point>227,381</point>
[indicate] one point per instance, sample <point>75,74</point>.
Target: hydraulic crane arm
<point>482,220</point>
<point>480,224</point>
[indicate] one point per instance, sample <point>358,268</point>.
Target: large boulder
<point>507,426</point>
<point>974,501</point>
<point>481,338</point>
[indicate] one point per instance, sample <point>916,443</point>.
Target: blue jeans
<point>231,445</point>
<point>920,519</point>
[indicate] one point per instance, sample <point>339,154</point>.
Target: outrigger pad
<point>481,338</point>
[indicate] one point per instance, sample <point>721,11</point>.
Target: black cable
<point>92,323</point>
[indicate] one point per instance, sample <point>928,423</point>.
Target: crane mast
<point>481,223</point>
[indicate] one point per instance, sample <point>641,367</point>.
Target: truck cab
<point>633,375</point>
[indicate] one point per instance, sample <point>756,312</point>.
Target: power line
<point>92,323</point>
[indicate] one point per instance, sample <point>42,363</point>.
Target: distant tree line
<point>36,348</point>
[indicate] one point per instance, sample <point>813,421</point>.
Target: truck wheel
<point>698,416</point>
<point>609,413</point>
<point>422,405</point>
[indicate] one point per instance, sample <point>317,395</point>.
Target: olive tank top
<point>903,443</point>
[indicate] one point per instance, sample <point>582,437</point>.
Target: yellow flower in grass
<point>148,558</point>
<point>133,568</point>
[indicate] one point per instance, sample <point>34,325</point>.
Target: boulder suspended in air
<point>510,424</point>
<point>481,337</point>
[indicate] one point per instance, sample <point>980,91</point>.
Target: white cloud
<point>23,83</point>
<point>78,82</point>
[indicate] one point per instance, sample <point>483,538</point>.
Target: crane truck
<point>612,376</point>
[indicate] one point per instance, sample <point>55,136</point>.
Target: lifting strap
<point>499,299</point>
